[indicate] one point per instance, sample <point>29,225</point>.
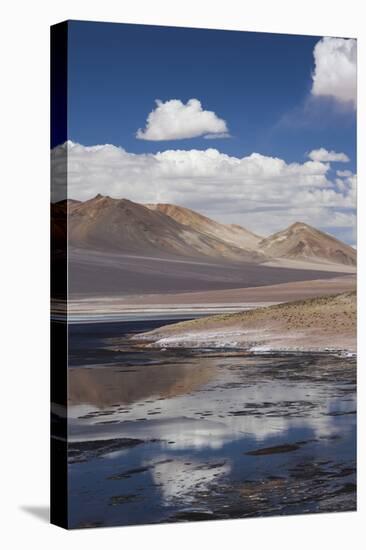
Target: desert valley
<point>132,261</point>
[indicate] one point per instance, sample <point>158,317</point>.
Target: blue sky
<point>286,103</point>
<point>259,83</point>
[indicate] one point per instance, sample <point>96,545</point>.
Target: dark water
<point>161,436</point>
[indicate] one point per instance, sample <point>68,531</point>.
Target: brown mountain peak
<point>300,225</point>
<point>302,241</point>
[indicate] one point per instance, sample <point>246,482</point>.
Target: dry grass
<point>326,321</point>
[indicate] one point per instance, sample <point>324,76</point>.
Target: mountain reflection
<point>107,386</point>
<point>210,401</point>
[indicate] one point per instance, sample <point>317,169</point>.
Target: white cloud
<point>335,73</point>
<point>322,155</point>
<point>217,136</point>
<point>176,120</point>
<point>344,173</point>
<point>262,193</point>
<point>181,479</point>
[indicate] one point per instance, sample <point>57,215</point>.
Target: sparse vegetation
<point>328,320</point>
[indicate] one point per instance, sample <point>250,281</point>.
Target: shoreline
<point>251,350</point>
<point>203,302</point>
<point>327,322</point>
<point>178,313</point>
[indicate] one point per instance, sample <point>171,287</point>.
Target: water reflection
<point>123,385</point>
<point>210,400</point>
<point>173,436</point>
<point>180,480</point>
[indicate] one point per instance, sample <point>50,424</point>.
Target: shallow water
<point>159,436</point>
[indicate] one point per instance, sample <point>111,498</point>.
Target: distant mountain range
<point>301,241</point>
<point>120,225</point>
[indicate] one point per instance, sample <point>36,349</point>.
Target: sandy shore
<point>314,324</point>
<point>283,292</point>
<point>205,302</point>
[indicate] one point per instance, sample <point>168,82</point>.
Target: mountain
<point>233,234</point>
<point>108,224</point>
<point>303,242</point>
<point>167,230</point>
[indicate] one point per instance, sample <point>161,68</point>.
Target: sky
<point>250,128</point>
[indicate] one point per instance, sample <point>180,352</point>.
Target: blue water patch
<point>190,435</point>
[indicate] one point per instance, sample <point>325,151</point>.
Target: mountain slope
<point>108,224</point>
<point>301,241</point>
<point>233,234</point>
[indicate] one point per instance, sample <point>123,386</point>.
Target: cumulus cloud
<point>335,73</point>
<point>322,155</point>
<point>176,120</point>
<point>344,173</point>
<point>259,192</point>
